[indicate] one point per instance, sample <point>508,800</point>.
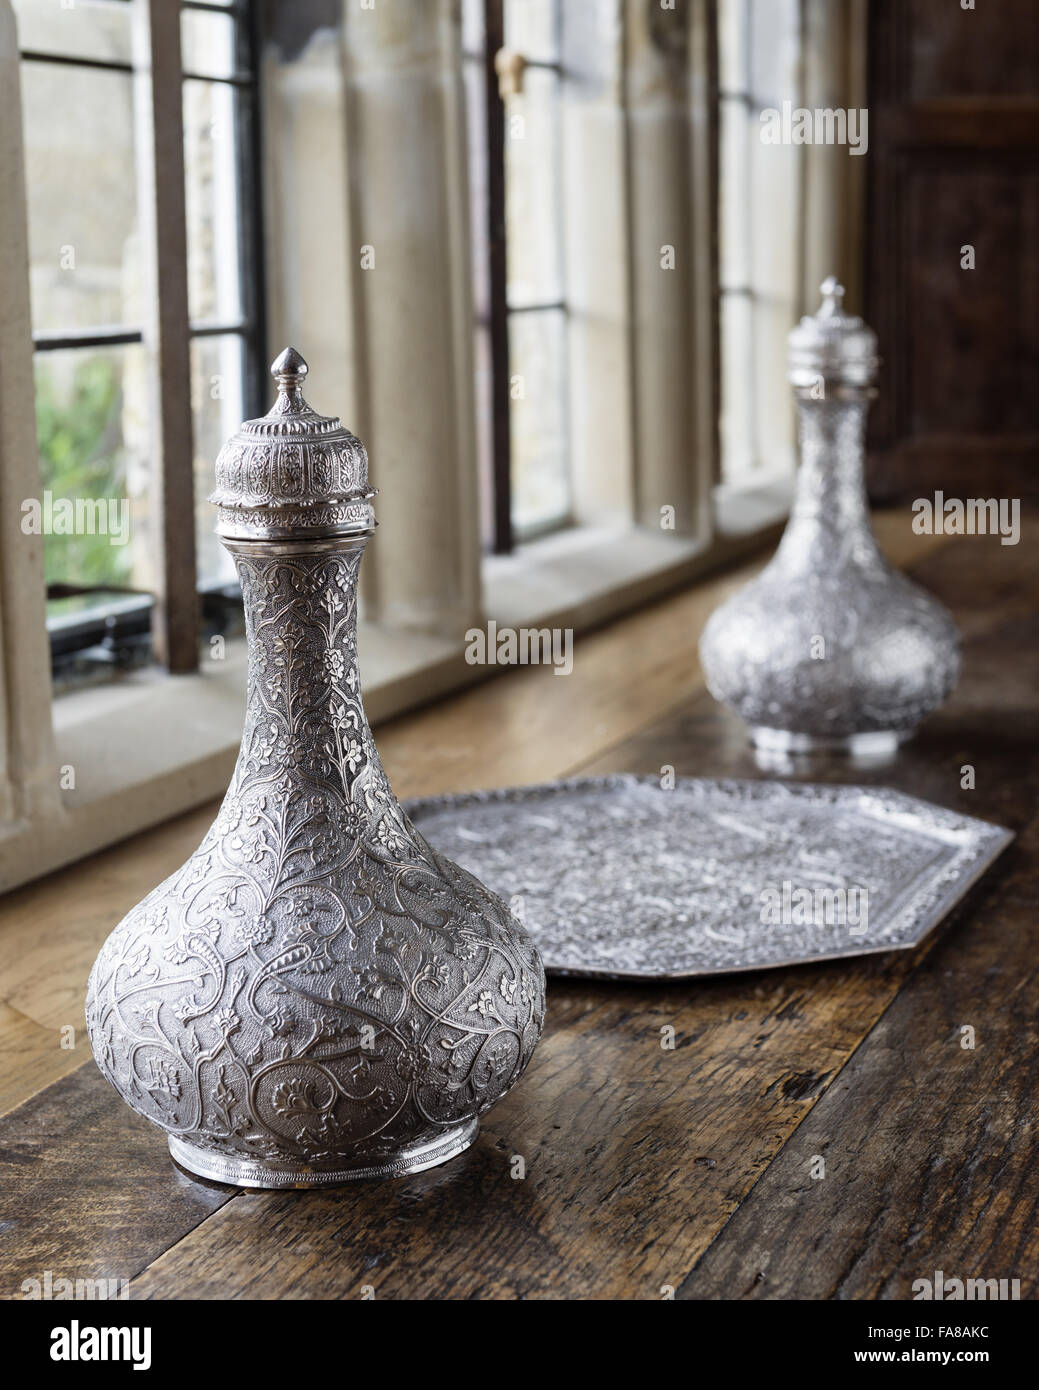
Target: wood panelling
<point>990,50</point>
<point>954,163</point>
<point>975,331</point>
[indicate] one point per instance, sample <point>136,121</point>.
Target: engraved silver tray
<point>620,878</point>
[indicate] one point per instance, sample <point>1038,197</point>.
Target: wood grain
<point>88,1193</point>
<point>32,1056</point>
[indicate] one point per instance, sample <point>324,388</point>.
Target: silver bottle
<point>830,648</point>
<point>316,995</point>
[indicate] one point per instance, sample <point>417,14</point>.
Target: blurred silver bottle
<point>830,648</point>
<point>316,995</point>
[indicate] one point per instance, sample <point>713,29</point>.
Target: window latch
<point>510,67</point>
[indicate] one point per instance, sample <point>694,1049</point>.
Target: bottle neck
<point>830,508</point>
<point>305,720</point>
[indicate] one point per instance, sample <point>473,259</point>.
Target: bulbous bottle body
<point>829,647</point>
<point>316,994</point>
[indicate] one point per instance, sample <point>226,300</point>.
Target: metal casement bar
<point>89,338</point>
<point>713,163</point>
<point>241,328</point>
<point>238,79</point>
<point>494,28</point>
<point>161,208</point>
<point>484,320</point>
<point>537,308</point>
<point>236,10</point>
<point>29,55</point>
<point>251,260</point>
<point>32,55</point>
<point>542,64</point>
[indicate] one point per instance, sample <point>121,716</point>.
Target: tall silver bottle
<point>830,648</point>
<point>316,995</point>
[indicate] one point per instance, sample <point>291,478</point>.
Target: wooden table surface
<point>646,1170</point>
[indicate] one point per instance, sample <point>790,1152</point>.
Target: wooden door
<point>954,163</point>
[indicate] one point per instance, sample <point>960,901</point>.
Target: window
<point>760,201</point>
<point>83,124</point>
<point>513,80</point>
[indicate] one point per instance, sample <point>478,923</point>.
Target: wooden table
<point>646,1170</point>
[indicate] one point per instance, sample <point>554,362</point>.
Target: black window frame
<point>118,632</point>
<point>503,531</point>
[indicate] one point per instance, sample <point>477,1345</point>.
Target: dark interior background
<point>954,161</point>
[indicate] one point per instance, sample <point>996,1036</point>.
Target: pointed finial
<point>288,369</point>
<point>832,292</point>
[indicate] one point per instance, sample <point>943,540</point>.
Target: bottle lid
<point>832,345</point>
<point>294,473</point>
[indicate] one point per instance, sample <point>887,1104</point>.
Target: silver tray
<point>620,878</point>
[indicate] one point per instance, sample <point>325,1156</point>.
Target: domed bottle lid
<point>831,344</point>
<point>294,473</point>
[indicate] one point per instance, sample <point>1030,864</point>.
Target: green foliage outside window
<point>82,455</point>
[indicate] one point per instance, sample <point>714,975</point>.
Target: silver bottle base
<point>251,1172</point>
<point>871,745</point>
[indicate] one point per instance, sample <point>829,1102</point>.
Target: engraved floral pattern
<point>620,877</point>
<point>891,652</point>
<point>316,986</point>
